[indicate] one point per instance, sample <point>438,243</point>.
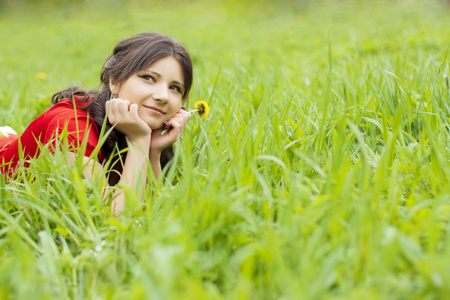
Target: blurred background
<point>47,46</point>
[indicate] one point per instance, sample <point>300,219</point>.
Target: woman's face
<point>157,90</point>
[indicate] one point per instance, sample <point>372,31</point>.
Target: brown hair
<point>128,57</point>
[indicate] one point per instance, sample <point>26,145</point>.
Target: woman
<point>144,82</point>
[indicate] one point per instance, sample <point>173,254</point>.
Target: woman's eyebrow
<point>155,73</point>
<point>177,82</point>
<point>159,76</point>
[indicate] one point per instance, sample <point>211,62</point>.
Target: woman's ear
<point>113,87</point>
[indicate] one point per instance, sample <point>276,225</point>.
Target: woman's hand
<point>176,124</point>
<point>124,116</point>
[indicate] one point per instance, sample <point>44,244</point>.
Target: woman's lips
<point>155,109</point>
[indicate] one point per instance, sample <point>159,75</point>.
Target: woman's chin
<point>154,127</point>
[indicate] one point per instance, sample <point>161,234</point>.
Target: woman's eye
<point>147,77</point>
<point>176,88</point>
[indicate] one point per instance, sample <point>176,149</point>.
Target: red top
<point>46,129</point>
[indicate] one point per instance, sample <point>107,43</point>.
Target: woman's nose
<point>161,93</point>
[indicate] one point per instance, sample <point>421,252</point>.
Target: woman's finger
<point>134,110</point>
<point>118,110</point>
<point>123,108</point>
<point>182,117</point>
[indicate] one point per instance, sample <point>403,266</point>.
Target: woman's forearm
<point>134,173</point>
<point>155,161</point>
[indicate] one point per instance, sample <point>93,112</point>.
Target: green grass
<point>322,171</point>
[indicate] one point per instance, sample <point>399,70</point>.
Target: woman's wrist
<point>154,155</point>
<point>141,141</point>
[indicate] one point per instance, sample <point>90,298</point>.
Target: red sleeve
<point>80,131</point>
<point>60,121</point>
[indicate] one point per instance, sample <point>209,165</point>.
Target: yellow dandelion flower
<point>41,75</point>
<point>201,108</point>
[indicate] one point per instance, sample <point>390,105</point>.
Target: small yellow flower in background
<point>201,108</point>
<point>41,75</point>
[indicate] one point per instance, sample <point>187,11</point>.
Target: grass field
<point>322,171</point>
